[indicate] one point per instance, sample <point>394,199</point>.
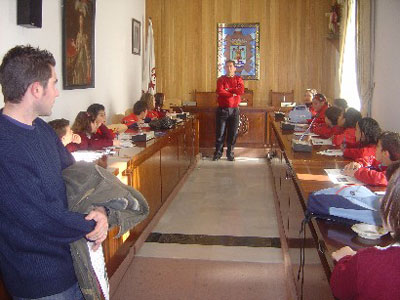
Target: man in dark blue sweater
<point>35,224</point>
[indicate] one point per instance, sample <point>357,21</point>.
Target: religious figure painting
<point>240,43</point>
<point>78,43</point>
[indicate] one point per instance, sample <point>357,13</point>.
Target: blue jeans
<point>73,293</point>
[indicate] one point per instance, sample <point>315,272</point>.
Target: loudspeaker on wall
<point>29,13</point>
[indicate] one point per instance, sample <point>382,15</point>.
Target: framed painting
<point>239,42</point>
<point>78,44</point>
<point>136,37</point>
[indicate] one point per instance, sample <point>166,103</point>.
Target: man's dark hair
<point>22,66</point>
<point>341,103</point>
<point>59,126</point>
<point>230,61</point>
<point>139,107</point>
<point>95,108</point>
<point>390,142</point>
<point>371,130</point>
<point>333,114</point>
<point>351,116</point>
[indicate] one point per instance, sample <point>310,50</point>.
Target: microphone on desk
<point>300,145</point>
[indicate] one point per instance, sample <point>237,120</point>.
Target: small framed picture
<point>136,38</point>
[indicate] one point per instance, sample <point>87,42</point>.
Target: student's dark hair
<point>391,169</point>
<point>390,142</point>
<point>95,108</point>
<point>159,99</point>
<point>390,204</point>
<point>333,114</point>
<point>351,116</point>
<point>59,126</point>
<point>320,97</point>
<point>148,99</point>
<point>82,123</point>
<point>341,103</point>
<point>22,66</point>
<point>370,129</point>
<point>230,61</point>
<point>139,107</point>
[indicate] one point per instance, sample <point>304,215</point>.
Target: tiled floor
<point>218,239</point>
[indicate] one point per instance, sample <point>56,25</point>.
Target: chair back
<point>277,97</point>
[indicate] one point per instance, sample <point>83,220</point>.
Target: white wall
<point>117,70</point>
<point>386,100</point>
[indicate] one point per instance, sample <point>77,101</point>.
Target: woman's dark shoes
<point>230,157</point>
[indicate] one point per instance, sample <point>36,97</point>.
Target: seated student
<point>308,96</point>
<point>319,106</point>
<point>159,103</point>
<point>341,103</point>
<point>151,113</point>
<point>84,125</point>
<point>104,137</point>
<point>64,131</point>
<point>347,121</point>
<point>367,134</point>
<point>373,272</point>
<point>330,127</point>
<point>374,172</point>
<point>139,113</point>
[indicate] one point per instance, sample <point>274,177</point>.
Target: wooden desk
<point>295,176</point>
<point>255,138</point>
<point>155,169</point>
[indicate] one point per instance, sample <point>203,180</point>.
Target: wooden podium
<point>209,99</point>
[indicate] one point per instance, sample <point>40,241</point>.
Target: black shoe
<point>216,157</point>
<point>230,157</point>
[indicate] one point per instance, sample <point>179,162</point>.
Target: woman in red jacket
<point>347,121</point>
<point>374,272</point>
<point>151,113</point>
<point>367,134</point>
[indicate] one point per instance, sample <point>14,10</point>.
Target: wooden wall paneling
<point>295,53</point>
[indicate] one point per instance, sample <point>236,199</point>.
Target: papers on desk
<point>305,134</point>
<point>321,142</point>
<point>88,156</point>
<point>331,152</point>
<point>336,176</point>
<point>99,268</point>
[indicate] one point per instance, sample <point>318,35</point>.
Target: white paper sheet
<point>331,152</point>
<point>318,142</point>
<point>99,267</point>
<point>336,176</point>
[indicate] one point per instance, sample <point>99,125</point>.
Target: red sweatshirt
<point>372,273</point>
<point>84,145</point>
<point>152,114</point>
<point>325,131</point>
<point>104,133</point>
<point>226,87</point>
<point>372,172</point>
<point>349,134</point>
<point>130,119</point>
<point>355,153</point>
<point>320,115</point>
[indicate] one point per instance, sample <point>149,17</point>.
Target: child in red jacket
<point>319,106</point>
<point>136,118</point>
<point>367,134</point>
<point>84,125</point>
<point>374,272</point>
<point>374,172</point>
<point>103,135</point>
<point>64,131</point>
<point>159,99</point>
<point>347,121</point>
<point>330,127</point>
